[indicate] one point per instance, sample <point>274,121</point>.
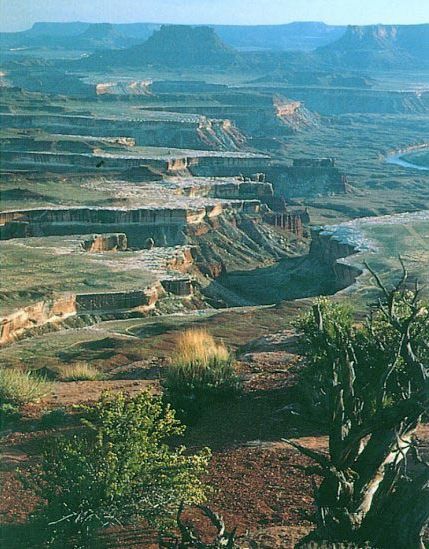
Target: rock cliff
<point>171,46</point>
<point>379,47</point>
<point>330,250</point>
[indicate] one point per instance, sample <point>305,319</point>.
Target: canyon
<point>156,179</point>
<point>174,169</point>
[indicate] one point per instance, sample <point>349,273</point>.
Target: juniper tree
<point>366,386</point>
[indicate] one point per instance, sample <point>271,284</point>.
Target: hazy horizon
<point>20,15</point>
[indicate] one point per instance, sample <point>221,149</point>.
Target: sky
<point>21,14</point>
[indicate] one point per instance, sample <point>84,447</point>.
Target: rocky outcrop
<point>294,115</point>
<point>205,163</point>
<point>236,243</point>
<point>137,87</point>
<point>163,225</point>
<point>292,222</point>
<point>340,100</point>
<point>178,286</point>
<point>331,250</point>
<point>106,243</point>
<point>235,188</point>
<point>220,135</point>
<point>379,47</point>
<point>308,177</point>
<point>182,260</point>
<point>171,46</point>
<point>62,221</point>
<point>51,311</point>
<point>114,302</point>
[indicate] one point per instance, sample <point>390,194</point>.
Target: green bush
<point>119,470</point>
<point>18,388</point>
<point>201,371</point>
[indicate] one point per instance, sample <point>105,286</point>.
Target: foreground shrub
<point>80,371</point>
<point>18,387</point>
<point>199,346</point>
<point>118,471</point>
<point>201,371</point>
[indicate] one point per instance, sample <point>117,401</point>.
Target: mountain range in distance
<point>314,44</point>
<point>359,48</point>
<point>292,36</point>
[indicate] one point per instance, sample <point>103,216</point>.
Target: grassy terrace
<point>35,268</point>
<point>21,192</point>
<point>39,105</point>
<point>168,153</point>
<point>142,339</point>
<point>105,146</point>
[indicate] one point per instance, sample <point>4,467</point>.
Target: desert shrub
<point>201,370</point>
<point>119,470</point>
<point>199,346</point>
<point>18,387</point>
<point>80,371</point>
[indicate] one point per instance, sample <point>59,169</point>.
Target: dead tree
<point>367,386</point>
<point>191,539</point>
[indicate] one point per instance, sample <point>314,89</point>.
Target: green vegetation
<point>18,388</point>
<point>201,371</point>
<point>80,371</point>
<point>366,385</point>
<point>118,470</point>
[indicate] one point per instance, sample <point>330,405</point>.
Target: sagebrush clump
<point>201,370</point>
<point>19,388</point>
<point>80,371</point>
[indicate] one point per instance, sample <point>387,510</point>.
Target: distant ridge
<point>304,36</point>
<point>318,46</point>
<point>75,36</point>
<point>100,36</point>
